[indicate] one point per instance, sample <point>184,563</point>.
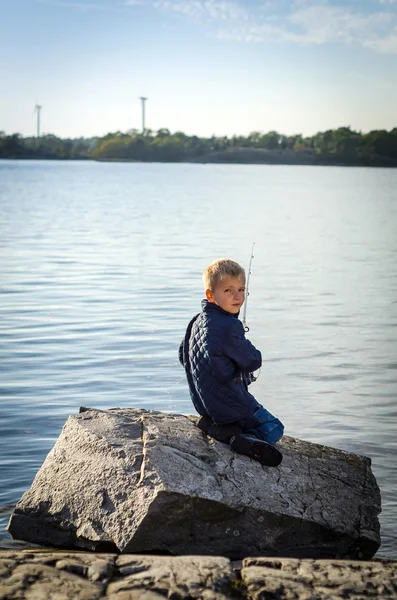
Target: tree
<point>341,146</point>
<point>11,146</point>
<point>163,132</point>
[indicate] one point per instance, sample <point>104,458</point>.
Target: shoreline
<point>8,544</point>
<point>202,162</point>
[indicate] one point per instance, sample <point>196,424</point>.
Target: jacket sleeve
<point>180,353</point>
<point>241,351</point>
<point>185,340</point>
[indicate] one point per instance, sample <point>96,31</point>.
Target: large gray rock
<point>133,480</point>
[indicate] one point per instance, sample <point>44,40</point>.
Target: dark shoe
<point>204,423</point>
<point>222,433</point>
<point>263,452</point>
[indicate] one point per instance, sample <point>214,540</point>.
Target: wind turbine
<point>143,100</point>
<point>37,110</point>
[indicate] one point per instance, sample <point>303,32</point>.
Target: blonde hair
<point>219,269</point>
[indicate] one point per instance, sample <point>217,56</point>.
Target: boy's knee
<point>275,434</point>
<point>260,417</point>
<point>269,432</point>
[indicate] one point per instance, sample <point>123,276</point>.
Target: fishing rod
<point>243,319</point>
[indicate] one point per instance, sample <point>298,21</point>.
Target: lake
<point>101,269</point>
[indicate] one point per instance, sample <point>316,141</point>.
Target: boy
<point>219,362</point>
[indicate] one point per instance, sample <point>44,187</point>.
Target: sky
<point>207,67</point>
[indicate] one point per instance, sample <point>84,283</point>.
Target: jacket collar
<point>212,307</point>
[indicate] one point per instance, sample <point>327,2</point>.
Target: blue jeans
<point>262,425</point>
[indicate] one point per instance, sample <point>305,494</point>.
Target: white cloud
<point>213,10</point>
<point>321,23</point>
<point>310,22</point>
<point>385,45</point>
<point>81,5</point>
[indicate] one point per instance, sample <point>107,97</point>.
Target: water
<point>101,270</point>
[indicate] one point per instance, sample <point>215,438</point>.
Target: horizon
<point>207,67</point>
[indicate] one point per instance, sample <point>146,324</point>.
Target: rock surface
<point>172,577</point>
<point>132,480</point>
<point>294,579</point>
<point>58,575</point>
<point>54,575</point>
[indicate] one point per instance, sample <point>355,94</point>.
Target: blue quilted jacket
<point>217,359</point>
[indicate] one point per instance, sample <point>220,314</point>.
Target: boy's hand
<point>250,377</point>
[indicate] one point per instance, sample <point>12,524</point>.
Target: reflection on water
<point>101,271</point>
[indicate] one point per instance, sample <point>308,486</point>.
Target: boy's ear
<point>209,296</point>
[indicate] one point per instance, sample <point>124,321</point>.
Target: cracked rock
<point>177,577</point>
<point>294,579</point>
<point>54,575</point>
<point>142,481</point>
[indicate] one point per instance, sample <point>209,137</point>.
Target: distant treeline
<point>341,146</point>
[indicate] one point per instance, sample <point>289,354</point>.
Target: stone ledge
<point>88,576</point>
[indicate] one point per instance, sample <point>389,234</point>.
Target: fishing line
<point>252,376</point>
<point>244,317</point>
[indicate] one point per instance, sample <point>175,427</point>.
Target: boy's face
<point>229,294</point>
